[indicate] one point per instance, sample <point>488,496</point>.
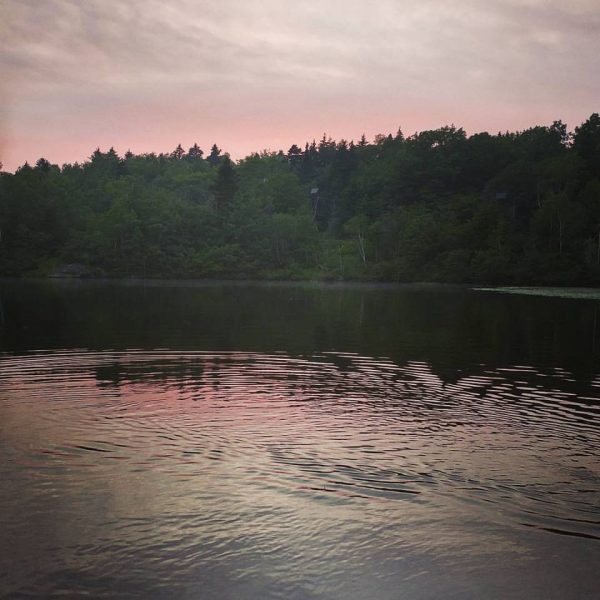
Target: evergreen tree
<point>519,207</point>
<point>195,152</point>
<point>225,185</point>
<point>178,153</point>
<point>215,156</point>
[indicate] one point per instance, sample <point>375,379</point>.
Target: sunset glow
<point>148,75</point>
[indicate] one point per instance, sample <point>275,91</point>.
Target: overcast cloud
<point>148,74</point>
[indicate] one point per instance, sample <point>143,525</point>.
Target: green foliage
<point>436,206</point>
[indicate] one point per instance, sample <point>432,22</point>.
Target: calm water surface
<point>242,441</point>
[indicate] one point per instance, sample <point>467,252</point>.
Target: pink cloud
<point>248,76</point>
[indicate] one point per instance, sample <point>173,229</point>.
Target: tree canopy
<point>439,205</point>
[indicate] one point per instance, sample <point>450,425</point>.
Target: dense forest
<point>439,205</point>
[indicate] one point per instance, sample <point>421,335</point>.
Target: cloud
<point>99,62</point>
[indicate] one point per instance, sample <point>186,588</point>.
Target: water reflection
<point>454,330</point>
<point>180,474</point>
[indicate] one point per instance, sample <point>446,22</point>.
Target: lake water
<point>247,441</point>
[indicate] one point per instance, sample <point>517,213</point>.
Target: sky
<point>251,75</point>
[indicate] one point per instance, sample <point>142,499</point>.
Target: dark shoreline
<point>573,292</point>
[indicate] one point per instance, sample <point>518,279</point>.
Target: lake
<point>297,441</point>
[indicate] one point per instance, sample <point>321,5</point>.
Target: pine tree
<point>225,185</point>
<point>214,157</point>
<point>195,152</point>
<point>178,153</point>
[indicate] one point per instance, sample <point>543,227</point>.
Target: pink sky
<point>146,75</point>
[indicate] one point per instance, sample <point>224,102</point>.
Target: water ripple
<point>180,465</point>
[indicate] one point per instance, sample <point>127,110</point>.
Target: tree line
<point>520,207</point>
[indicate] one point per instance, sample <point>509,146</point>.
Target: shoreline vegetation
<point>511,209</point>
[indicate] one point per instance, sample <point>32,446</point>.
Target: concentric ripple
<point>240,475</point>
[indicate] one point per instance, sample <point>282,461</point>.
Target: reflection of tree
<point>178,371</point>
<point>450,329</point>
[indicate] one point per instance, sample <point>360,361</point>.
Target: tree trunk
<point>560,237</point>
<point>361,247</point>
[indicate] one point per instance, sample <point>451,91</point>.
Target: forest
<point>436,206</point>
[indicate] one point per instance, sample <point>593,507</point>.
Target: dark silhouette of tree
<point>294,151</point>
<point>215,156</point>
<point>178,153</point>
<point>225,185</point>
<point>586,144</point>
<point>195,152</point>
<point>43,165</point>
